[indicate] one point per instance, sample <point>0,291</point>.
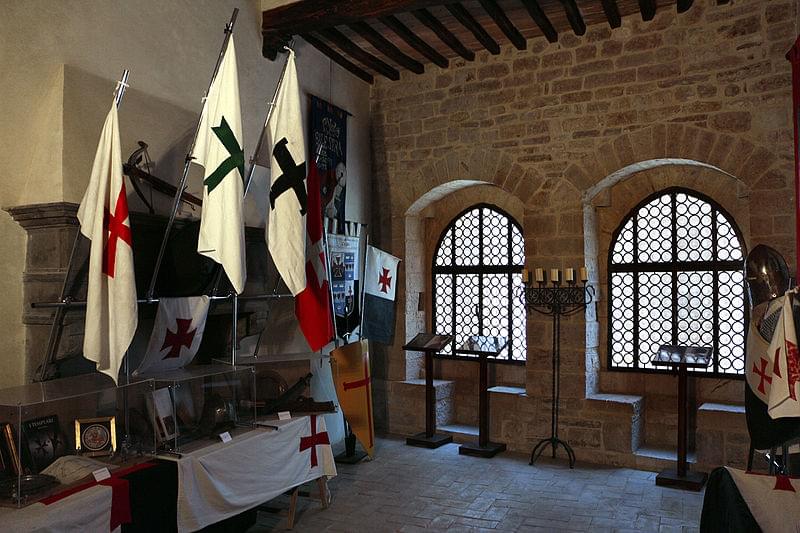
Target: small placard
<point>284,415</point>
<point>225,437</point>
<point>101,473</point>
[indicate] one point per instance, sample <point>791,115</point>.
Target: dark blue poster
<point>329,157</point>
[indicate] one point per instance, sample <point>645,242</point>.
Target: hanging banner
<point>345,270</point>
<point>329,149</point>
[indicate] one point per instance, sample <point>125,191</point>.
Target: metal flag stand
<point>66,293</point>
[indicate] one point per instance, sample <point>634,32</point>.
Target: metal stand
<point>350,456</point>
<point>556,301</point>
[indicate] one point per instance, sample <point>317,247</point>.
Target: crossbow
<point>138,169</point>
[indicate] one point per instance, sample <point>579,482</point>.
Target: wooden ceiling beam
<point>411,38</point>
<point>574,16</point>
<point>337,57</point>
<point>648,9</point>
<point>541,20</point>
<point>612,13</point>
<point>425,17</point>
<point>506,26</point>
<point>720,2</point>
<point>348,47</point>
<point>684,5</point>
<point>463,16</point>
<point>384,46</point>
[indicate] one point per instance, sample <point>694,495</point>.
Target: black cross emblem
<point>292,177</point>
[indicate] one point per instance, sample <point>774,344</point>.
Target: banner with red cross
<point>317,444</point>
<point>773,501</point>
<point>176,335</point>
<point>351,375</point>
<point>773,370</point>
<point>380,291</point>
<point>111,308</point>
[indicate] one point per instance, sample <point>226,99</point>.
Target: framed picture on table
<point>95,437</point>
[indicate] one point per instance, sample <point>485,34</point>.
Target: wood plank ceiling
<point>385,37</point>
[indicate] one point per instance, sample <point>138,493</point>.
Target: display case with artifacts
<point>43,422</point>
<point>191,407</point>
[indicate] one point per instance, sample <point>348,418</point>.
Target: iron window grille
<point>675,276</point>
<point>477,273</point>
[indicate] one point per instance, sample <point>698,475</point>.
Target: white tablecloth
<point>223,480</point>
<point>87,511</point>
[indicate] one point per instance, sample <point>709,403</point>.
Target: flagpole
<point>182,185</point>
<point>58,319</point>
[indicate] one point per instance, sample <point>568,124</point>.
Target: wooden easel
<point>323,495</point>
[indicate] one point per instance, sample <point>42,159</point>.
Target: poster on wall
<point>329,146</point>
<point>343,252</point>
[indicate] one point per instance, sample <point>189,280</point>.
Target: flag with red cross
<point>177,334</point>
<point>111,310</point>
<point>316,443</point>
<point>773,501</point>
<point>380,289</point>
<point>783,359</point>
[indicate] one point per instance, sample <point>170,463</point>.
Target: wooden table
<point>484,347</point>
<point>681,359</point>
<point>429,343</point>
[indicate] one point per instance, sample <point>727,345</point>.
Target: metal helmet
<point>767,274</point>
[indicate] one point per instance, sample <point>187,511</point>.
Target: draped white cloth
<point>223,480</point>
<point>86,511</point>
<point>773,500</point>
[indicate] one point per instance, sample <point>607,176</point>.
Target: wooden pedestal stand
<point>682,358</point>
<point>483,347</point>
<point>429,344</point>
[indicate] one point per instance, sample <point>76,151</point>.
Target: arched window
<point>675,276</point>
<point>477,272</point>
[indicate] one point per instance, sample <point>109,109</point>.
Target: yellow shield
<point>351,375</point>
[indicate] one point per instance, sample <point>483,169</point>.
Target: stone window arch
<point>476,278</point>
<point>675,276</point>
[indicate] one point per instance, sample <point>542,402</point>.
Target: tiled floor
<point>407,489</point>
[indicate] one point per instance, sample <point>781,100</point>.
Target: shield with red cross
<point>351,375</point>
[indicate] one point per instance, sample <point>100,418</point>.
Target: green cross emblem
<point>234,160</point>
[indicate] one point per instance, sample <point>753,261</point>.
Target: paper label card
<point>101,473</point>
<point>225,437</point>
<point>284,415</point>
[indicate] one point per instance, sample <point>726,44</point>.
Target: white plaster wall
<point>60,61</point>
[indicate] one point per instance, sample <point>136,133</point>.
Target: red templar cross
<point>357,385</point>
<point>763,374</point>
<point>115,225</point>
<point>385,281</point>
<point>181,337</point>
<point>314,440</point>
<point>792,368</point>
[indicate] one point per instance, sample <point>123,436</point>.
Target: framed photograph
<point>9,454</point>
<point>162,413</point>
<point>43,441</point>
<point>96,436</point>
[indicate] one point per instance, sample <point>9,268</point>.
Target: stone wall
<point>573,131</point>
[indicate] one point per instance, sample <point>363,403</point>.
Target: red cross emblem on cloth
<point>783,483</point>
<point>314,440</point>
<point>385,280</point>
<point>115,225</point>
<point>763,373</point>
<point>182,337</point>
<point>363,383</point>
<point>793,368</point>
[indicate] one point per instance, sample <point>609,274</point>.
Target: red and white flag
<point>313,305</point>
<point>177,334</point>
<point>784,363</point>
<point>111,312</point>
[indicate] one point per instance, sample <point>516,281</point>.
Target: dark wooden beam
<point>348,47</point>
<point>462,15</point>
<point>311,15</point>
<point>499,17</point>
<point>386,47</point>
<point>648,9</point>
<point>402,31</point>
<point>684,5</point>
<point>541,20</point>
<point>425,17</point>
<point>612,13</point>
<point>337,57</point>
<point>574,16</point>
<point>720,2</point>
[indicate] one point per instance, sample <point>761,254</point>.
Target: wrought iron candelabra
<point>556,301</point>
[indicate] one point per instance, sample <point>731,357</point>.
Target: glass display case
<point>193,406</point>
<point>81,420</point>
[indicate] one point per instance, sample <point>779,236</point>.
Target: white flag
<point>380,289</point>
<point>784,364</point>
<point>220,151</point>
<point>286,237</point>
<point>176,335</point>
<point>111,316</point>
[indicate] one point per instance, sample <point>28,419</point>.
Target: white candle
<point>584,274</point>
<point>555,275</point>
<point>569,275</point>
<point>539,275</point>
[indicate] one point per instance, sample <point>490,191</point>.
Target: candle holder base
<point>422,440</point>
<point>475,449</point>
<point>689,481</point>
<point>554,442</point>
